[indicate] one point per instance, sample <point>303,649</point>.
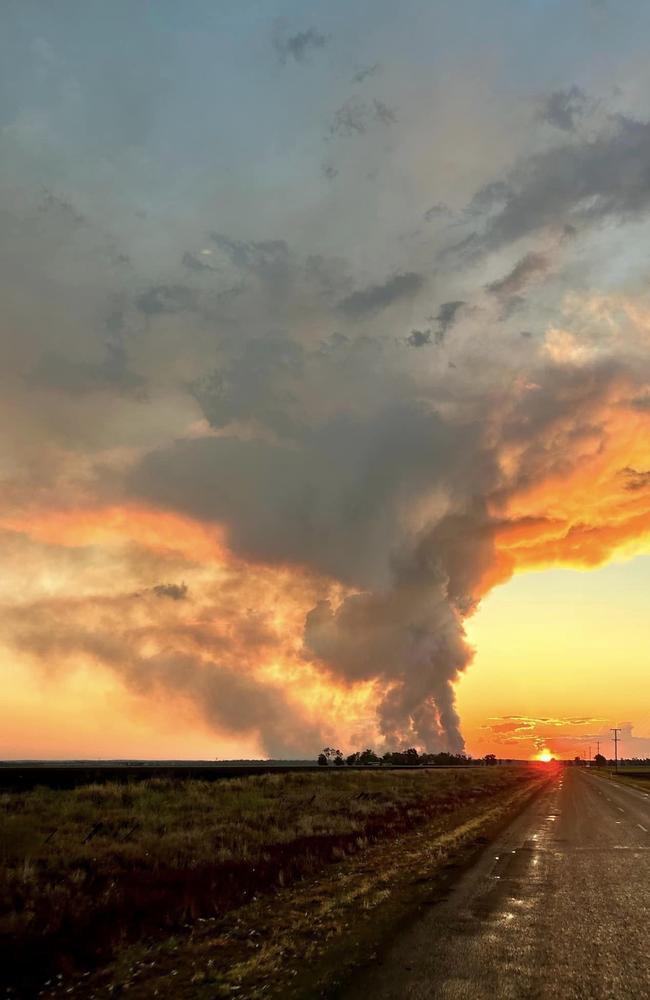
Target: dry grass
<point>636,777</point>
<point>88,870</point>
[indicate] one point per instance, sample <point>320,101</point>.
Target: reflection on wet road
<point>558,907</point>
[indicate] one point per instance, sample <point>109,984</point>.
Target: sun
<point>545,756</point>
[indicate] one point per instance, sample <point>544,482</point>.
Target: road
<point>558,906</point>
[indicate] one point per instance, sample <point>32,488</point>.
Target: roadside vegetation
<point>636,775</point>
<point>85,872</point>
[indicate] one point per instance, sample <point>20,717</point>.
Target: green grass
<point>85,872</point>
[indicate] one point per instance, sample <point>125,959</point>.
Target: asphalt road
<point>558,906</point>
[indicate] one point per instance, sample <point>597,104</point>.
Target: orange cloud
<point>593,507</point>
<point>154,529</point>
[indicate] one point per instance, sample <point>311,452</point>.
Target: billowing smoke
<point>274,427</point>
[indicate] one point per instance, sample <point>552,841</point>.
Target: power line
<point>616,732</point>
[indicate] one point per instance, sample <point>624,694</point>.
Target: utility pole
<point>590,755</point>
<point>616,732</point>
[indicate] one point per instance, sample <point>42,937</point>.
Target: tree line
<point>409,758</point>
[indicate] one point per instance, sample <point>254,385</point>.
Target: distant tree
<point>368,757</point>
<point>322,760</point>
<point>599,760</point>
<point>352,758</point>
<point>490,759</point>
<point>338,758</point>
<point>577,760</point>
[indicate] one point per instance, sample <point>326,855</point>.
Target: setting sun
<point>545,756</point>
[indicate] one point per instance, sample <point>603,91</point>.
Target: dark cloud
<point>493,194</point>
<point>193,262</point>
<point>371,300</point>
<point>641,403</point>
<point>257,384</point>
<point>446,317</point>
<point>319,499</point>
<point>269,259</point>
<point>329,275</point>
<point>170,299</point>
<point>298,46</point>
<point>330,501</point>
<point>173,591</point>
<point>531,266</point>
<point>563,108</point>
<point>581,183</point>
<point>419,338</point>
<point>635,480</point>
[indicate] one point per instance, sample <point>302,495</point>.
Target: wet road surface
<point>558,906</point>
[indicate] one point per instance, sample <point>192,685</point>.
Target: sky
<point>324,377</point>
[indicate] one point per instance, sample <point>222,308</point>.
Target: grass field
<point>638,777</point>
<point>107,876</point>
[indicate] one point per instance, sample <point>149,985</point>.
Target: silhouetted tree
<point>322,760</point>
<point>490,758</point>
<point>331,756</point>
<point>599,760</point>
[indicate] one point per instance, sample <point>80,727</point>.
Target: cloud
<point>299,45</point>
<point>257,384</point>
<point>531,265</point>
<point>337,504</point>
<point>206,645</point>
<point>373,299</point>
<point>419,338</point>
<point>365,73</point>
<point>193,262</point>
<point>436,212</point>
<point>581,183</point>
<point>174,591</point>
<point>446,317</point>
<point>165,299</point>
<point>355,117</point>
<point>563,108</point>
<point>57,373</point>
<point>635,480</point>
<point>63,207</point>
<point>268,259</point>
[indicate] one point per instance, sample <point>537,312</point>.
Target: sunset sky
<point>325,377</point>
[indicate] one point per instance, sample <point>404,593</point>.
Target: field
<point>212,882</point>
<point>638,777</point>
